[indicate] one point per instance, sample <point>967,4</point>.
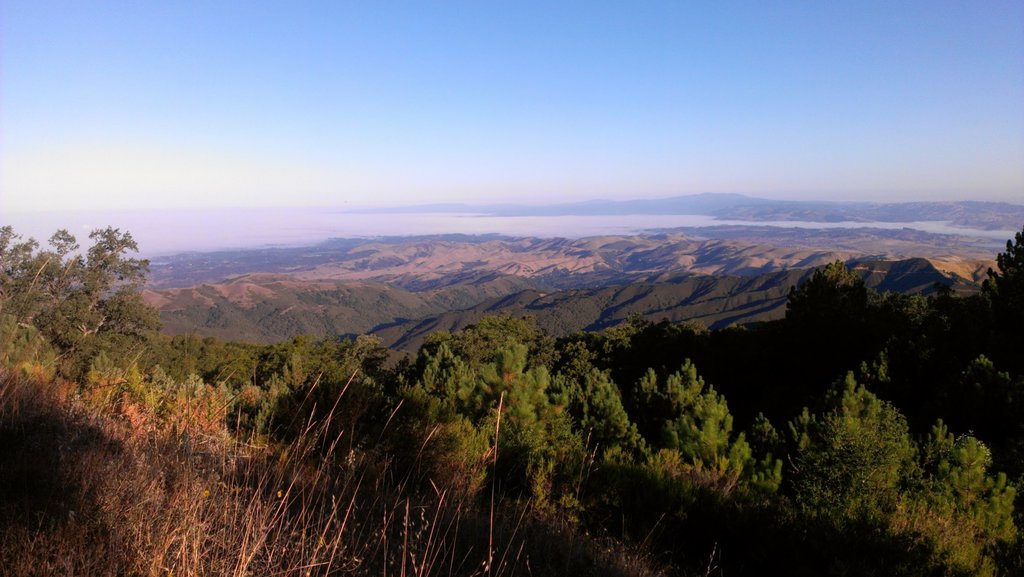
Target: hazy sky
<point>176,104</point>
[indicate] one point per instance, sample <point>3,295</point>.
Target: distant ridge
<point>731,206</point>
<point>704,204</point>
<point>418,262</point>
<point>271,307</point>
<point>716,302</point>
<point>404,288</point>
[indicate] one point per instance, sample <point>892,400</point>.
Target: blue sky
<point>218,104</point>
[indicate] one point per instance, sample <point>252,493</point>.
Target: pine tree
<point>604,419</point>
<point>1005,289</point>
<point>852,460</point>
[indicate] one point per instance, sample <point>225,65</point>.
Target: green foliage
<point>833,292</point>
<point>856,469</point>
<point>983,389</point>
<point>540,452</point>
<point>960,482</point>
<point>852,460</point>
<point>961,509</point>
<point>24,347</point>
<point>437,445</point>
<point>693,421</point>
<point>446,376</point>
<point>543,459</point>
<point>765,474</point>
<point>620,337</point>
<point>525,390</point>
<point>656,402</point>
<point>82,304</point>
<point>1005,290</point>
<point>666,461</point>
<point>19,274</point>
<point>602,417</point>
<point>343,383</point>
<point>703,433</point>
<point>480,344</point>
<point>1006,286</point>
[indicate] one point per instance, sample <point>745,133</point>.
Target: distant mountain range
<point>714,301</point>
<point>273,307</point>
<point>268,308</point>
<point>982,215</point>
<point>404,288</point>
<point>419,263</point>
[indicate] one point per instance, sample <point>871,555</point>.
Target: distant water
<point>173,231</point>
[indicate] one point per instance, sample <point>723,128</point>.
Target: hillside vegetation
<point>716,302</point>
<point>273,307</point>
<point>864,433</point>
<point>433,262</point>
<point>403,289</point>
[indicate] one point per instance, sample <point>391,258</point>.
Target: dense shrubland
<point>864,434</point>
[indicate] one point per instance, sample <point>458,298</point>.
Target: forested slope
<point>268,308</point>
<point>714,301</point>
<point>272,307</point>
<point>864,433</point>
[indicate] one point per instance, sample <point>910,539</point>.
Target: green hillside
<point>865,432</point>
<point>715,302</point>
<point>267,308</point>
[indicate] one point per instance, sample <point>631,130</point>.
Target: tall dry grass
<point>95,492</point>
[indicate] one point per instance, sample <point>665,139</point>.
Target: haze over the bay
<point>196,105</point>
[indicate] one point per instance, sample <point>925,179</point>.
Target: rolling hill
<point>714,301</point>
<point>430,262</point>
<point>273,307</point>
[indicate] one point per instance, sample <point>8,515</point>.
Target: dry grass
<point>90,493</point>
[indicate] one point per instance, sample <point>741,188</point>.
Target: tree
<point>830,320</point>
<point>18,273</point>
<point>967,510</point>
<point>833,293</point>
<point>961,480</point>
<point>1007,286</point>
<point>601,415</point>
<point>445,375</point>
<point>852,460</point>
<point>480,344</point>
<point>1005,289</point>
<point>80,303</point>
<point>694,421</point>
